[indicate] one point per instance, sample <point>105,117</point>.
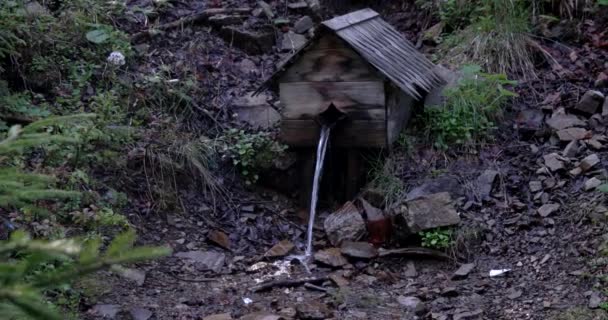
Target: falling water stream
<point>321,149</point>
<point>306,258</point>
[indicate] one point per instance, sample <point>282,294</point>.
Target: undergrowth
<point>250,152</point>
<point>437,238</point>
<point>383,179</point>
<point>470,110</point>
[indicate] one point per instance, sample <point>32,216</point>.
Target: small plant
<point>470,109</point>
<point>437,239</point>
<point>383,178</point>
<point>251,152</point>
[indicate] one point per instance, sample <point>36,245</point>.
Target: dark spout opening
<point>330,116</point>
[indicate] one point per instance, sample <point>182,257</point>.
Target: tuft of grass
<point>470,110</point>
<point>383,178</point>
<point>497,39</point>
<point>183,159</point>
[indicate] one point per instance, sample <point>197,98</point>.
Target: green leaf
<point>602,2</point>
<point>604,187</point>
<point>121,244</point>
<point>98,36</point>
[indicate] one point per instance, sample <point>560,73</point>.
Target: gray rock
<point>571,149</point>
<point>444,183</point>
<point>590,102</point>
<point>331,257</point>
<point>589,162</point>
<point>303,25</point>
<point>592,184</point>
<point>485,183</point>
<point>137,276</point>
<point>219,316</point>
<point>297,6</point>
<point>210,260</point>
<point>292,42</point>
<point>554,162</point>
<point>535,186</point>
<point>106,311</point>
<point>372,213</point>
<point>410,270</point>
<point>256,111</point>
<point>247,66</point>
<point>35,9</point>
<point>571,134</point>
<point>267,9</point>
<point>463,271</point>
<point>140,314</point>
<point>469,315</point>
<point>595,300</point>
<point>429,212</point>
<point>412,304</point>
<point>564,121</point>
<point>530,120</point>
<point>313,310</point>
<point>605,108</point>
<point>345,224</point>
<point>546,209</point>
<point>262,315</point>
<point>514,293</point>
<point>362,250</point>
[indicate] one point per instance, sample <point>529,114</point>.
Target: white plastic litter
<point>498,272</point>
<point>117,58</point>
<point>247,301</point>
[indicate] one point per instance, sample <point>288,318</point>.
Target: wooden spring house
<point>363,67</point>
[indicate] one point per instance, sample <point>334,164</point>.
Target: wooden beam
<point>359,100</point>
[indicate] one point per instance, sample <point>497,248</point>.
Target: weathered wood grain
<point>347,20</point>
<point>349,133</point>
<point>398,111</point>
<point>359,100</point>
<point>338,64</point>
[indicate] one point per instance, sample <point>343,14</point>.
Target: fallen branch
<point>286,283</point>
<point>424,252</point>
<point>191,19</point>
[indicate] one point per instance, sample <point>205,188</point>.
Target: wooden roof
<point>381,45</point>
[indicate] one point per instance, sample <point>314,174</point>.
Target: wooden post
<point>306,165</point>
<point>353,166</point>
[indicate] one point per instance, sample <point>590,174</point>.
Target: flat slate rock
<point>209,259</point>
<point>331,257</point>
<point>140,313</point>
<point>280,249</point>
<point>346,224</point>
<point>362,250</point>
<point>107,311</point>
<point>463,271</point>
<point>429,212</point>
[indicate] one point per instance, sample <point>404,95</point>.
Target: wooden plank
<point>359,100</point>
<point>399,109</point>
<point>337,64</point>
<point>347,20</point>
<point>330,41</point>
<point>348,133</point>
